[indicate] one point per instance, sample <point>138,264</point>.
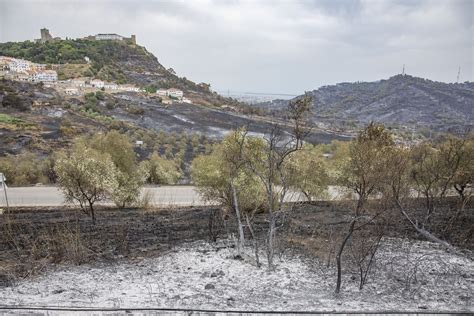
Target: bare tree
<point>363,175</point>
<point>274,151</point>
<point>399,184</point>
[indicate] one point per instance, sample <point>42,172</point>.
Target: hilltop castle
<point>112,37</point>
<point>46,37</point>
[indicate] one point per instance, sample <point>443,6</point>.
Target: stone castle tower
<point>45,36</point>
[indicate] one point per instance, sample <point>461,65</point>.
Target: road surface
<point>52,196</point>
<point>160,196</point>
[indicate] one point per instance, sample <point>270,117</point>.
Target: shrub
<point>161,170</point>
<point>25,169</point>
<point>86,176</point>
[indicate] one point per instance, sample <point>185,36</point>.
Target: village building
<point>71,91</point>
<point>186,100</point>
<point>22,76</point>
<point>112,37</point>
<point>38,66</point>
<point>128,88</point>
<point>162,92</point>
<point>78,83</point>
<point>97,83</point>
<point>110,86</point>
<point>19,65</point>
<point>105,37</point>
<point>175,93</point>
<point>44,76</point>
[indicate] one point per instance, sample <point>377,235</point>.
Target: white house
<point>39,66</point>
<point>129,88</point>
<point>71,91</point>
<point>19,65</point>
<point>162,92</point>
<point>186,100</point>
<point>103,37</point>
<point>23,76</point>
<point>78,83</point>
<point>44,76</point>
<point>97,83</point>
<point>175,93</point>
<point>110,86</point>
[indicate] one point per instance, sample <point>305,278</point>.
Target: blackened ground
<point>33,239</point>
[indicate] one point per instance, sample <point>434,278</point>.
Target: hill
<point>118,61</point>
<point>401,100</point>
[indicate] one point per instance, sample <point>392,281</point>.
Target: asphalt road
<point>160,196</point>
<point>52,196</point>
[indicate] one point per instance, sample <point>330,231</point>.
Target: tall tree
<point>363,174</point>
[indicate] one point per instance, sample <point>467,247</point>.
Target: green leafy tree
<point>161,170</point>
<point>86,176</point>
<point>308,173</point>
<point>363,174</point>
<point>129,177</point>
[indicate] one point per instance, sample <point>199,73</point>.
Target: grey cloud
<point>274,46</point>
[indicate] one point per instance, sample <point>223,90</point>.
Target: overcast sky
<point>270,46</point>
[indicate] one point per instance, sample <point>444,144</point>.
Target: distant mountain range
<point>401,100</point>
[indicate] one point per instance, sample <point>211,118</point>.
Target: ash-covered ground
<point>407,276</point>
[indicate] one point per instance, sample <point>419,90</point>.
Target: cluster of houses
<point>25,70</point>
<point>77,85</point>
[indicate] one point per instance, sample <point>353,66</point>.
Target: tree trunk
<point>241,241</point>
<point>255,241</point>
<point>423,231</point>
<point>91,208</point>
<point>339,255</point>
<point>271,250</point>
<point>308,197</point>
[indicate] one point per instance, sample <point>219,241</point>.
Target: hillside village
<point>27,71</point>
<point>18,69</point>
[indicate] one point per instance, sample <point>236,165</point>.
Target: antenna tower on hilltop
<point>459,74</point>
<point>403,70</point>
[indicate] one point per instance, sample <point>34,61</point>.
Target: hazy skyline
<point>270,46</point>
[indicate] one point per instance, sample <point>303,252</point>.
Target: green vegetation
<point>26,169</point>
<point>215,176</point>
<point>104,56</point>
<point>13,121</point>
<point>98,168</point>
<point>85,176</point>
<point>71,51</point>
<point>161,170</point>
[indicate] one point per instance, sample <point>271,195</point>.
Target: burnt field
<point>32,240</point>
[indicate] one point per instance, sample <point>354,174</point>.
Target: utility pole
<point>403,70</point>
<point>4,187</point>
<point>459,74</point>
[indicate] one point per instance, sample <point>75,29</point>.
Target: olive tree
<point>222,176</point>
<point>129,176</point>
<point>307,172</point>
<point>399,182</point>
<point>86,176</point>
<point>161,170</point>
<point>267,158</point>
<point>457,156</point>
<point>362,174</point>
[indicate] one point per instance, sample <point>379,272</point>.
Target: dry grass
<point>32,249</point>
